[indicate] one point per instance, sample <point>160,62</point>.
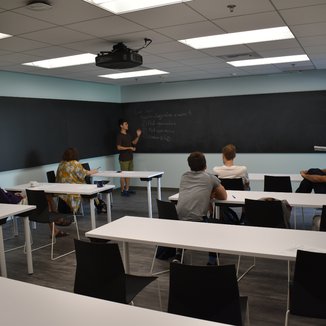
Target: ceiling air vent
<point>239,56</point>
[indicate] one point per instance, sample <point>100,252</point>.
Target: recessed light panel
<point>133,74</point>
<point>124,6</point>
<point>73,60</point>
<point>268,61</point>
<point>246,37</point>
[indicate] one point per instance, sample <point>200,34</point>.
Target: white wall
<point>24,85</point>
<point>174,165</point>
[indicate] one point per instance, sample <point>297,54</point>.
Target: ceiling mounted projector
<point>120,57</point>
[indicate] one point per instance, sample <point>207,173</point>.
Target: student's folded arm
<point>220,193</point>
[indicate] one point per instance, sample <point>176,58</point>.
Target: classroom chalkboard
<point>264,123</point>
<point>35,132</point>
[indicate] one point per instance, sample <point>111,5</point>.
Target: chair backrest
<point>38,198</point>
<point>266,213</point>
<point>87,178</point>
<point>232,184</point>
<point>277,183</point>
<point>322,226</point>
<point>50,176</point>
<point>206,292</point>
<point>99,271</point>
<point>308,289</point>
<point>166,210</point>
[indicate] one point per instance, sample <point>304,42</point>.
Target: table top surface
<point>128,174</point>
<point>29,304</point>
<point>63,188</point>
<point>232,239</point>
<point>294,199</point>
<point>14,209</point>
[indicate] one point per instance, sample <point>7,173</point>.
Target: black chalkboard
<point>35,132</point>
<point>264,123</point>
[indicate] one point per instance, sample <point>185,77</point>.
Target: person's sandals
<point>61,234</point>
<point>62,221</point>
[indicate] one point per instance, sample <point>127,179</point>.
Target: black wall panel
<point>34,132</point>
<point>265,123</point>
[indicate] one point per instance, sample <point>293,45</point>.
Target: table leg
<point>92,209</point>
<point>29,257</point>
<point>108,206</point>
<point>125,248</point>
<point>149,199</point>
<point>2,255</point>
<point>159,188</point>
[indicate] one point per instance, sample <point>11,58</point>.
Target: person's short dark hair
<point>122,121</point>
<point>70,154</point>
<point>197,161</point>
<point>229,151</point>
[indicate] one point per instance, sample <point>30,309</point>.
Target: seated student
<point>229,170</point>
<point>70,170</point>
<point>197,187</point>
<point>313,179</point>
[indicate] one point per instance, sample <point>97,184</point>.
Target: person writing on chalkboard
<point>228,170</point>
<point>197,188</point>
<point>126,146</point>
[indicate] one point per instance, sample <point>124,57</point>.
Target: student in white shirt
<point>229,170</point>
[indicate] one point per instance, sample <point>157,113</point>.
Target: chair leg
<point>248,316</point>
<point>247,271</point>
<point>54,241</point>
<point>287,317</point>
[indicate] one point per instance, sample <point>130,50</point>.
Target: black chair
<point>265,213</point>
<point>166,210</point>
<point>277,183</point>
<point>307,292</point>
<point>227,214</point>
<point>322,226</point>
<point>206,292</point>
<point>232,184</point>
<point>87,178</point>
<point>262,213</point>
<point>100,273</point>
<point>42,215</point>
<point>50,176</point>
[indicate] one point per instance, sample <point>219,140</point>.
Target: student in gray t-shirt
<point>197,187</point>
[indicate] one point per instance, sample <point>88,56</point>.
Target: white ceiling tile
<point>285,4</point>
<point>304,15</point>
<point>57,35</point>
<point>107,26</point>
<point>184,31</point>
<point>213,9</point>
<point>250,22</point>
<point>20,44</point>
<point>165,16</point>
<point>15,24</point>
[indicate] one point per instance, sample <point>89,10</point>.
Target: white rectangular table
<point>7,210</point>
<point>29,304</point>
<point>223,238</point>
<point>143,176</point>
<point>236,197</point>
<point>85,190</point>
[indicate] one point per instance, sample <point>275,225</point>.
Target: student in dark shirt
<point>126,146</point>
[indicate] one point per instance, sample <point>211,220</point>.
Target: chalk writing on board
<point>161,126</point>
